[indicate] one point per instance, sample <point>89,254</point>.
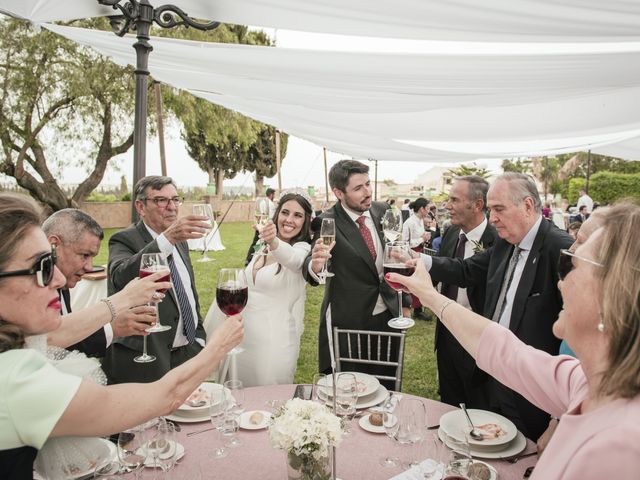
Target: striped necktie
<point>188,323</point>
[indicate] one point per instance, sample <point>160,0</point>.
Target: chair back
<point>368,347</point>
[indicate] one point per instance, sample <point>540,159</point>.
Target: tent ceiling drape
<point>463,20</point>
<point>406,106</point>
<point>423,107</point>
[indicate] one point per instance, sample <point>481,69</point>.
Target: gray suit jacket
<point>354,289</point>
<point>125,250</point>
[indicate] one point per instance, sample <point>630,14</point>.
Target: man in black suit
<point>158,231</point>
<point>77,238</point>
<point>468,234</point>
<point>359,297</point>
<point>520,273</point>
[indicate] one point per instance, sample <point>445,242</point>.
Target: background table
<point>212,239</point>
<point>358,457</point>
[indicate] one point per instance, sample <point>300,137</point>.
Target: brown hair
<point>620,312</point>
<point>18,214</point>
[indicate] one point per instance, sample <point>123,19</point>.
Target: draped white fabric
<point>486,20</point>
<point>407,106</point>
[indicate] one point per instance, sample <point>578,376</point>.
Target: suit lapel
<point>351,232</point>
<point>494,282</point>
<point>528,276</point>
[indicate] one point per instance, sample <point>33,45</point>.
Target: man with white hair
<point>520,274</point>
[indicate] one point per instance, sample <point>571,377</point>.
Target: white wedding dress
<point>273,318</point>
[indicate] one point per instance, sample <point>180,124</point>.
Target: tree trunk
<point>259,186</point>
<point>212,175</point>
<point>219,181</point>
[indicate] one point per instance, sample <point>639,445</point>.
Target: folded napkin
<point>418,472</point>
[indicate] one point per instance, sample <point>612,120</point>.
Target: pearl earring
<point>600,326</point>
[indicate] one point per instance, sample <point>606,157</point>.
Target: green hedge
<point>606,187</point>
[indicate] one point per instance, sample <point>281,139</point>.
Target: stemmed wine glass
<point>411,414</point>
<point>162,449</point>
<point>262,217</point>
<point>392,224</point>
<point>151,263</point>
<point>205,210</point>
<point>234,410</point>
<point>458,457</point>
<point>390,424</point>
<point>218,414</point>
<point>328,235</point>
<point>232,294</point>
<point>396,255</point>
<point>132,448</point>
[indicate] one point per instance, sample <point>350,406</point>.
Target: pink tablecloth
<point>358,457</point>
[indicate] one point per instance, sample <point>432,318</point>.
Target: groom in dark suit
<point>158,231</point>
<point>520,274</point>
<point>360,299</point>
<point>468,234</point>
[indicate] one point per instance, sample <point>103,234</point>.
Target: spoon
<point>474,433</point>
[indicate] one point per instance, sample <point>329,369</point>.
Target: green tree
<point>519,165</point>
<point>60,104</point>
<point>260,158</point>
<point>473,169</point>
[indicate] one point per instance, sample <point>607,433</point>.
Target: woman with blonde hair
<point>597,394</point>
<point>37,401</point>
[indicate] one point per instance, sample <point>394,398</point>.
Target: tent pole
<point>278,161</point>
<point>326,175</point>
<point>163,157</point>
<point>586,189</point>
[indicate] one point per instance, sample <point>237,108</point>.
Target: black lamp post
<point>138,15</point>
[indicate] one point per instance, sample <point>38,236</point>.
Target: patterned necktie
<point>366,234</point>
<point>188,323</point>
<point>452,290</point>
<point>506,283</point>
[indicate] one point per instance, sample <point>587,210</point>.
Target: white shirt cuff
<point>313,274</point>
<point>108,333</point>
<point>427,260</point>
<point>200,341</point>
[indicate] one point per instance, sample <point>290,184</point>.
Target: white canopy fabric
<point>407,106</point>
<point>461,20</point>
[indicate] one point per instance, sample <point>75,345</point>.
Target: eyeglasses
<point>43,269</point>
<point>565,263</point>
<point>163,202</point>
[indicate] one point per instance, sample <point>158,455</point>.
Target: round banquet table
<point>358,456</point>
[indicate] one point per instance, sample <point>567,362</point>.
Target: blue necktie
<point>188,324</point>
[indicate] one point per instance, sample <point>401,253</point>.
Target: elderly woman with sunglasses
<point>36,400</point>
<point>597,395</point>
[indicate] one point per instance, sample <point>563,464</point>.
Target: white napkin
<point>416,473</point>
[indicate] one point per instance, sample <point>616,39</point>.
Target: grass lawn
<point>420,363</point>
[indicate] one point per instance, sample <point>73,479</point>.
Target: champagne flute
<point>234,411</point>
<point>218,413</point>
<point>205,210</point>
<point>390,424</point>
<point>392,224</point>
<point>346,398</point>
<point>262,217</point>
<point>411,414</point>
<point>396,255</point>
<point>328,235</point>
<point>232,294</point>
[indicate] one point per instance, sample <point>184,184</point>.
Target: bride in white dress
<point>274,315</point>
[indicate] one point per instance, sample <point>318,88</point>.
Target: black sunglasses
<point>565,263</point>
<point>43,269</point>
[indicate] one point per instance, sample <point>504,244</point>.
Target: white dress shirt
<point>167,248</point>
<point>413,230</point>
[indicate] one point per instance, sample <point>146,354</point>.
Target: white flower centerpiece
<point>306,431</point>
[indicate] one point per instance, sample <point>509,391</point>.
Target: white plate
<point>105,455</point>
<point>493,471</point>
<point>195,415</point>
<point>179,454</point>
<point>367,384</point>
<point>516,446</point>
<point>365,424</point>
<point>181,419</point>
<point>198,411</point>
<point>365,402</point>
<point>455,422</point>
<point>245,421</point>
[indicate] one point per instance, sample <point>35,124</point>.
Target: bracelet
<point>111,308</point>
<point>444,306</point>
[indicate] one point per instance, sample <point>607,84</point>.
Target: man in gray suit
<point>158,231</point>
<point>469,233</point>
<point>360,299</point>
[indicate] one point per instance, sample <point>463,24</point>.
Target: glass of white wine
<point>392,224</point>
<point>328,235</point>
<point>205,210</point>
<point>262,217</point>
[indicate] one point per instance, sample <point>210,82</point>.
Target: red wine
<point>232,300</point>
<point>145,272</point>
<point>400,268</point>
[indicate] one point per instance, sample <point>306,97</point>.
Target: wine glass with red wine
<point>232,293</point>
<point>396,255</point>
<point>151,263</point>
